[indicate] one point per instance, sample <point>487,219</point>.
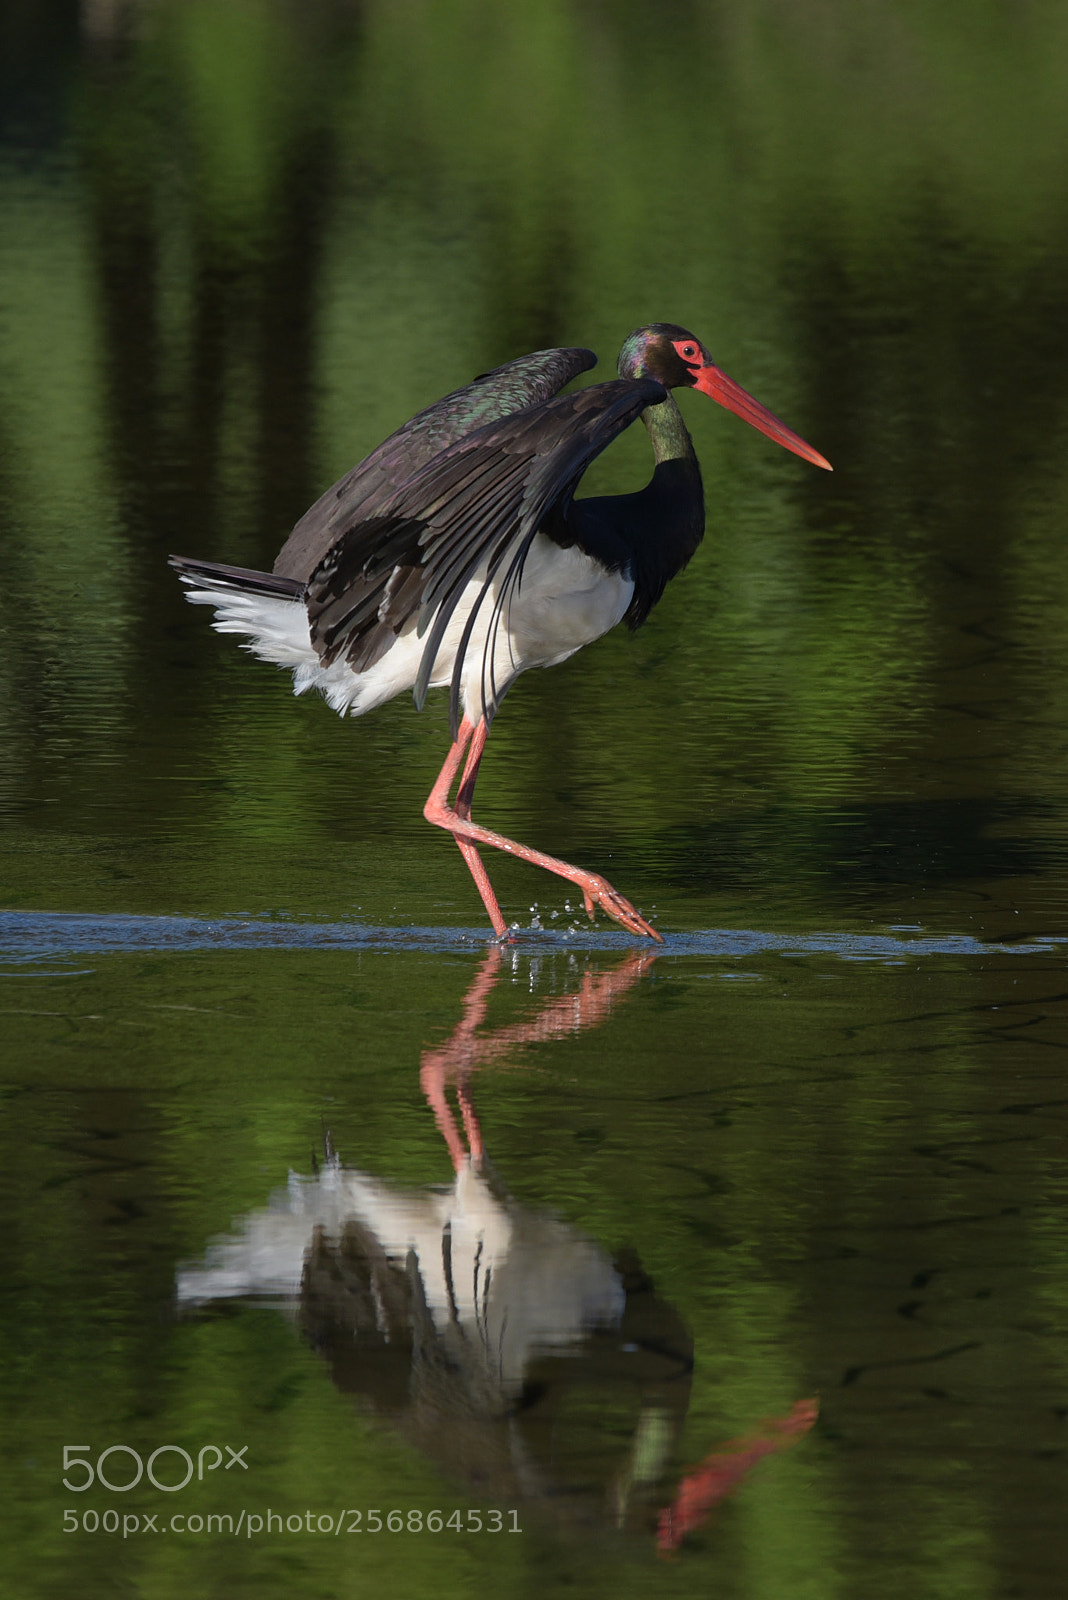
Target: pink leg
<point>467,849</point>
<point>437,807</point>
<point>595,889</point>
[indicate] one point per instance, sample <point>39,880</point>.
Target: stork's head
<point>678,360</point>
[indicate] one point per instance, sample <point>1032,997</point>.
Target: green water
<point>816,1142</point>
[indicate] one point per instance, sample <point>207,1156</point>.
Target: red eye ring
<point>688,350</point>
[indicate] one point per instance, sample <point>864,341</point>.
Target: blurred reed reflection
<point>506,1345</point>
<point>242,241</point>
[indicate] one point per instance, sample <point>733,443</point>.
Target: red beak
<point>716,384</point>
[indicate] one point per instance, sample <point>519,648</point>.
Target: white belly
<point>565,600</point>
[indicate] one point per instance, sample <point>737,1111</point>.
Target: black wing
<point>528,381</point>
<point>472,511</point>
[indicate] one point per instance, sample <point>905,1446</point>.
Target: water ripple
<point>27,936</point>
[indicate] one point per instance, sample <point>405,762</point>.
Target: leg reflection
<point>466,1049</point>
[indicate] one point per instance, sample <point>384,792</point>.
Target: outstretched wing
<point>528,381</point>
<point>470,514</point>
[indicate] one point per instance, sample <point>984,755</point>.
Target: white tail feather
<point>565,600</point>
<point>278,631</point>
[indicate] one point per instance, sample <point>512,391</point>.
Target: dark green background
<point>239,243</point>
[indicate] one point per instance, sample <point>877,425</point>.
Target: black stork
<point>456,554</point>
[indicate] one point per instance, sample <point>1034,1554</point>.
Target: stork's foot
<point>597,891</point>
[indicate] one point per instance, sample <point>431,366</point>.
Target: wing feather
<point>359,495</point>
<point>473,510</point>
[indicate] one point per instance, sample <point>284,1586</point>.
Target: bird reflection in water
<point>503,1342</point>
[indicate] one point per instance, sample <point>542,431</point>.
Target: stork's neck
<point>652,534</point>
<point>669,434</point>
